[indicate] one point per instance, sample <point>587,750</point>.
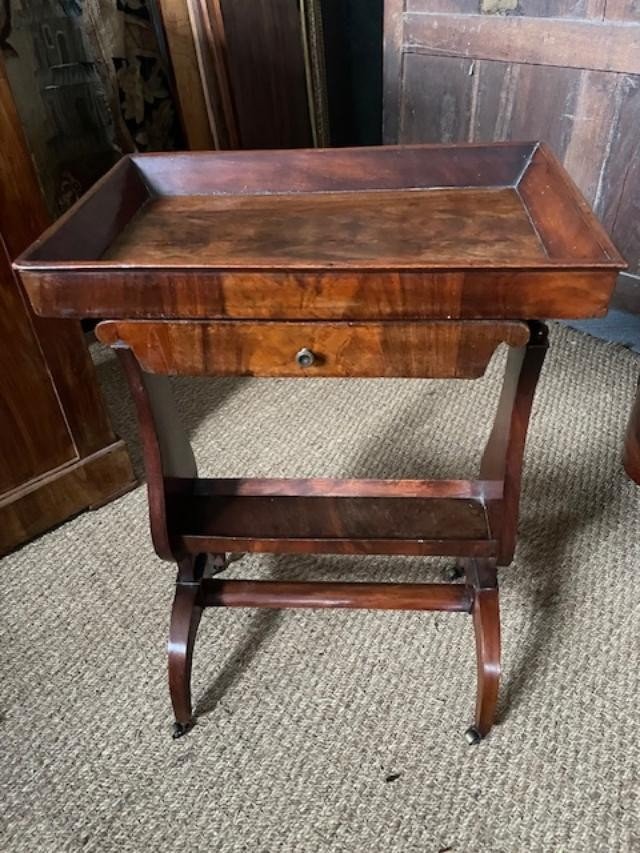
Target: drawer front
<point>441,349</point>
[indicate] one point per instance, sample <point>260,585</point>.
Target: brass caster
<point>472,736</point>
<point>181,729</point>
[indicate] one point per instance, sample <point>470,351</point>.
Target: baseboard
<point>88,483</point>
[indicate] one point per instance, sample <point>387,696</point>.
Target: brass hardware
<point>305,357</point>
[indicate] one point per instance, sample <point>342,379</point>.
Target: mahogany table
<point>412,261</point>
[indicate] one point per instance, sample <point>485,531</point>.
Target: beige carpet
<point>327,730</point>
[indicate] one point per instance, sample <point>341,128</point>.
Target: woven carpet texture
<point>327,730</point>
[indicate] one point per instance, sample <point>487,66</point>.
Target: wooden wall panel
<point>503,89</point>
<point>557,8</point>
<point>622,10</point>
<point>211,50</point>
<point>593,118</point>
<point>602,46</point>
<point>249,73</point>
<point>439,112</point>
<point>619,196</point>
<point>23,216</point>
<point>528,8</point>
<point>480,101</point>
<point>565,71</point>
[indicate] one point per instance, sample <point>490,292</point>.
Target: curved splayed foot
<point>185,618</point>
<point>481,574</point>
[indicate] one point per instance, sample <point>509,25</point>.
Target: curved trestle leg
<point>481,574</point>
<point>185,618</point>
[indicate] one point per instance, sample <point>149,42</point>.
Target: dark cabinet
<point>58,453</point>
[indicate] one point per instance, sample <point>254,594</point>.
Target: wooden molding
<point>211,50</point>
<point>315,71</point>
<point>392,60</point>
<point>61,494</point>
<point>563,42</point>
<point>191,97</point>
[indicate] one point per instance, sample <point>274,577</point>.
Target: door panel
<point>58,454</point>
<point>35,438</point>
<point>267,72</point>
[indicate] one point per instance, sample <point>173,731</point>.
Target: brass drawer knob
<point>305,357</point>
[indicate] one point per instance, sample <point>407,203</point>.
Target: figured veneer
<point>379,228</point>
<point>413,232</point>
<point>445,350</point>
<point>342,525</point>
<point>356,295</point>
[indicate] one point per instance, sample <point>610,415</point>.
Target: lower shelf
<point>330,523</point>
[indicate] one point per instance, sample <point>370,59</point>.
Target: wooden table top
<point>383,228</point>
<point>389,232</point>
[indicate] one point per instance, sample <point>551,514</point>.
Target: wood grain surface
<point>190,94</point>
<point>499,232</point>
<point>378,596</point>
<point>594,45</point>
<point>383,229</point>
<point>310,295</point>
<point>344,488</point>
<point>334,169</point>
<point>58,453</point>
<point>430,349</point>
<point>407,232</point>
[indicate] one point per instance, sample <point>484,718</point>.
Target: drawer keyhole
<point>305,357</point>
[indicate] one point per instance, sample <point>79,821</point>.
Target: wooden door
<point>58,454</point>
<point>566,71</point>
<point>249,73</point>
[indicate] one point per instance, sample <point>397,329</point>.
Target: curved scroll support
<point>185,618</point>
<point>168,457</point>
<point>486,623</point>
<point>504,453</point>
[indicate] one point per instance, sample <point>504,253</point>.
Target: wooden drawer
<point>436,349</point>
